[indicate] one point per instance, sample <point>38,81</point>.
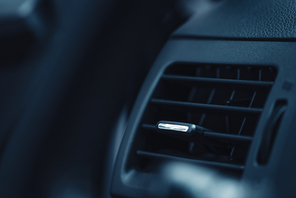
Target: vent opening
<point>226,99</point>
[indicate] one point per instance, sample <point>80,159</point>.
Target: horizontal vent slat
<point>199,162</point>
<point>209,108</point>
<point>229,138</point>
<point>219,82</point>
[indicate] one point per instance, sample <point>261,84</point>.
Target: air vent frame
<point>127,181</point>
<point>235,120</point>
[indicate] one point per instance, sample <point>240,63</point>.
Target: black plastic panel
<point>245,20</point>
<point>128,182</point>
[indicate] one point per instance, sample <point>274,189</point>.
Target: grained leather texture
<point>245,19</point>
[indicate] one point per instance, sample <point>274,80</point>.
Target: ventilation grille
<point>227,100</point>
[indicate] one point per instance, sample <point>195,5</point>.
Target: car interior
<point>147,98</point>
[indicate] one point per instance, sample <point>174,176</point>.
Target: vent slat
<point>218,82</point>
<point>209,108</point>
<point>199,162</point>
<point>229,138</point>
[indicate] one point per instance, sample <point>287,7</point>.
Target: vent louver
<point>225,99</point>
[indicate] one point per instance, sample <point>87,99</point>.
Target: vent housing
<point>226,99</point>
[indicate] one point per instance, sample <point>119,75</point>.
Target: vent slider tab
<point>195,133</point>
<point>179,128</point>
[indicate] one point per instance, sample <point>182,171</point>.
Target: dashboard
<point>134,99</point>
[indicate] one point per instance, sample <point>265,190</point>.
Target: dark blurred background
<point>70,72</point>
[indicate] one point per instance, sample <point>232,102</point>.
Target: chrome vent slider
<point>186,131</point>
<point>179,128</point>
<point>195,133</point>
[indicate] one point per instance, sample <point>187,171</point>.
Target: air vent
<point>224,100</point>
